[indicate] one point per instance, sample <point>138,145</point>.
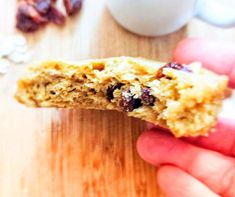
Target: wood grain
<point>49,152</point>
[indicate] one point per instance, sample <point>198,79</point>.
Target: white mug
<point>159,17</point>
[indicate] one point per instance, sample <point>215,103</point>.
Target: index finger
<point>218,56</point>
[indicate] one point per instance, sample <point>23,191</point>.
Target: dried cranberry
<point>28,10</point>
<point>31,15</point>
<point>137,103</point>
<point>147,98</point>
<point>128,103</point>
<point>28,18</point>
<point>42,6</point>
<point>72,6</point>
<point>173,65</point>
<point>48,10</point>
<point>111,89</point>
<point>55,16</point>
<point>26,24</point>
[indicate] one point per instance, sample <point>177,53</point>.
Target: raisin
<point>111,89</point>
<point>72,6</point>
<point>147,98</point>
<point>137,103</point>
<point>128,103</point>
<point>173,65</point>
<point>52,92</point>
<point>73,89</point>
<point>93,90</point>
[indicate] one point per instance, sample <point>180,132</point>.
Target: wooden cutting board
<point>85,153</point>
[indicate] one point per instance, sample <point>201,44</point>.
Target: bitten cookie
<point>183,98</point>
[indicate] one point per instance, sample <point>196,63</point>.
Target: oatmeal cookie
<point>183,98</point>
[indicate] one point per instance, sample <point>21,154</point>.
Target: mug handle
<point>216,13</point>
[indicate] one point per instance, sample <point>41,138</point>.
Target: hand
<point>199,166</point>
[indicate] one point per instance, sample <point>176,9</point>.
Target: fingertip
<point>183,51</point>
<point>165,175</point>
<point>153,144</point>
<point>144,142</point>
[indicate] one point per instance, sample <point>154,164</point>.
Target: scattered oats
<point>4,66</point>
<point>27,56</point>
<point>18,58</point>
<point>6,47</point>
<point>19,40</point>
<point>14,48</point>
<point>21,49</point>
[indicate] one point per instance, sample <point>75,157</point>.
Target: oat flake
<point>14,48</point>
<point>4,66</point>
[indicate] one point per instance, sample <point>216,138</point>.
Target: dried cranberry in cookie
<point>128,103</point>
<point>147,98</point>
<point>111,89</point>
<point>173,65</point>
